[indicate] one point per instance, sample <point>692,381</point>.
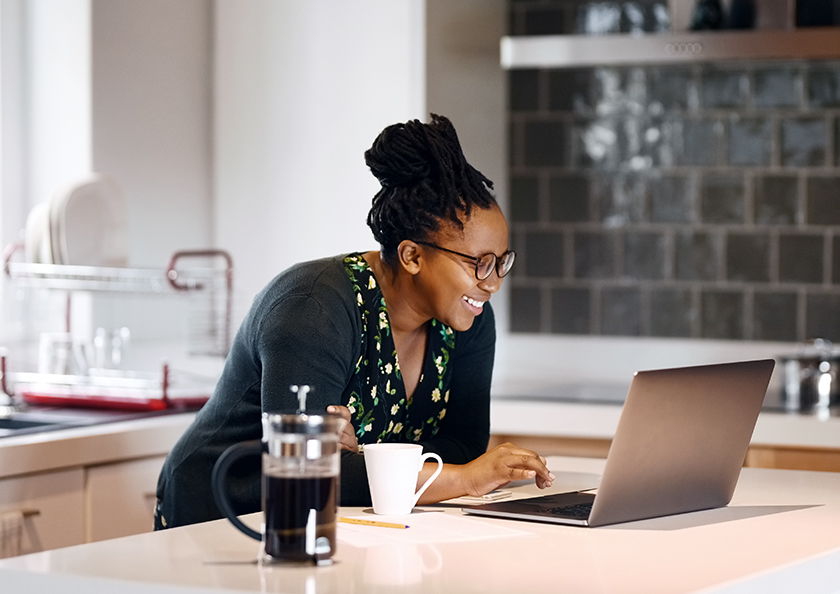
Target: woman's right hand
<point>347,439</point>
<point>503,464</point>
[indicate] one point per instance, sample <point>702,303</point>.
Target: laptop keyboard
<point>579,510</point>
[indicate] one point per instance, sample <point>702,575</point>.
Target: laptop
<point>679,447</point>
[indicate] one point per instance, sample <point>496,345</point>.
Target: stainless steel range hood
<point>568,51</point>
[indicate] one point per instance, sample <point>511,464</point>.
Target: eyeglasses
<point>485,264</point>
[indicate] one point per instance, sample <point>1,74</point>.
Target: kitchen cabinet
<point>86,483</point>
<point>51,506</point>
<point>758,456</point>
<point>119,499</point>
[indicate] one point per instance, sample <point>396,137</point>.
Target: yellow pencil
<point>371,523</point>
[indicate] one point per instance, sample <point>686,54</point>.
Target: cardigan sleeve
<point>306,341</point>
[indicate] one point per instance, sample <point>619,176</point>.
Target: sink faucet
<point>8,406</point>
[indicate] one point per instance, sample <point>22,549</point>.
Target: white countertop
<point>780,534</point>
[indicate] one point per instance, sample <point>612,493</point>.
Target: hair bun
<point>401,155</point>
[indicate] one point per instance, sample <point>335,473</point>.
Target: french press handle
<point>220,472</point>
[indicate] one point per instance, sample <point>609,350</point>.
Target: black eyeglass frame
<point>497,260</point>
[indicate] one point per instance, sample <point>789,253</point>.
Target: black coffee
<point>287,503</point>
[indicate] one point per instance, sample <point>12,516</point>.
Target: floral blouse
<point>381,410</point>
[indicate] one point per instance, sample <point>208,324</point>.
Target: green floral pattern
<point>378,402</point>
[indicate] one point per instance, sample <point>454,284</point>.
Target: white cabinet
<point>119,498</point>
<point>51,503</point>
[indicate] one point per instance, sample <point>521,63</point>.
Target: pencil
<point>371,523</point>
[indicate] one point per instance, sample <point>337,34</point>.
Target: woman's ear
<point>408,255</point>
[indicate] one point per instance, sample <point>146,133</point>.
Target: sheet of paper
<point>424,527</point>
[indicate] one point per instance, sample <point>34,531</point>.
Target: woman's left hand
<point>347,439</point>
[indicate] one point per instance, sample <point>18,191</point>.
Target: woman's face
<point>447,281</point>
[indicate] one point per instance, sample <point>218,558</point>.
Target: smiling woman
<point>399,341</point>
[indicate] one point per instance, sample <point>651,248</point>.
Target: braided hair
<point>425,179</point>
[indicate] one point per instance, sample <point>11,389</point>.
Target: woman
<point>400,342</point>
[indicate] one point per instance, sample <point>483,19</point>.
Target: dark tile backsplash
<point>690,201</point>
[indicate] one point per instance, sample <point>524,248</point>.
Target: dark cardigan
<point>304,328</point>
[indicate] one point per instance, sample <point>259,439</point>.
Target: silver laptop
<point>679,447</point>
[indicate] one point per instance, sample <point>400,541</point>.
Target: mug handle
<point>429,481</point>
<point>217,481</point>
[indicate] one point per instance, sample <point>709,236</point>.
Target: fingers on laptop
<point>522,464</point>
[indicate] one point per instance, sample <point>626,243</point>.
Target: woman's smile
<point>473,306</point>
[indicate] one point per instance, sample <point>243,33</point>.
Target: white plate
<point>37,245</point>
<point>89,224</point>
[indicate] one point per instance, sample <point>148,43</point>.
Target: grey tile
<point>594,255</point>
<point>824,86</point>
<point>524,89</point>
<point>822,317</point>
<point>748,257</point>
<point>804,142</point>
<point>775,200</point>
<point>701,142</point>
<point>544,254</point>
<point>750,141</point>
<point>569,198</point>
<point>644,255</point>
<point>525,309</point>
<point>776,87</point>
<point>823,197</point>
<point>619,91</point>
<point>837,142</point>
<point>722,198</point>
<point>545,21</point>
<point>774,316</point>
<point>801,258</point>
<point>524,198</point>
<point>670,199</point>
<point>722,314</point>
<point>546,143</point>
<point>570,311</point>
<point>621,200</point>
<point>670,89</point>
<point>598,18</point>
<point>835,260</point>
<point>569,90</point>
<point>597,144</point>
<point>724,88</point>
<point>621,312</point>
<point>697,256</point>
<point>672,313</point>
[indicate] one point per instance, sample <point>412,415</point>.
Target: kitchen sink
<point>24,423</point>
<point>15,424</point>
<point>38,419</point>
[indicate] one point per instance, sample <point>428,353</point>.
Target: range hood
<point>568,51</point>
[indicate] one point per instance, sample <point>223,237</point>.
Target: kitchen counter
<point>781,533</point>
<point>138,436</point>
<point>598,420</point>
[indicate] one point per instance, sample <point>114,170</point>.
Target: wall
<point>668,215</point>
<point>301,91</point>
<point>121,86</point>
<point>152,124</point>
<point>466,84</point>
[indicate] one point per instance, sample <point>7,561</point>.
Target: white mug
<point>392,470</point>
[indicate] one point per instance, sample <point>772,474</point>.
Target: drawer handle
<point>30,513</point>
<point>150,495</point>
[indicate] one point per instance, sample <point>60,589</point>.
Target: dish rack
<point>210,286</point>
